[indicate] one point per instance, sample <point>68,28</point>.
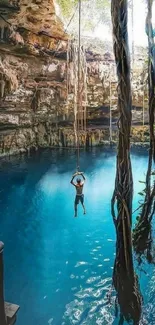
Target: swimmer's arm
<point>73,179</point>
<point>83,176</point>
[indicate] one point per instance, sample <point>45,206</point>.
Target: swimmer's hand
<point>80,173</point>
<point>75,174</point>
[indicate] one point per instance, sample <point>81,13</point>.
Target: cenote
<point>59,268</point>
<point>77,80</point>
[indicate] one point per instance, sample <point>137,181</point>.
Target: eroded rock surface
<point>35,110</point>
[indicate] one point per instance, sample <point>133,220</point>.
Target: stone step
<point>11,312</point>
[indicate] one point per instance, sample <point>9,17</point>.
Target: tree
<point>142,236</point>
<point>124,278</point>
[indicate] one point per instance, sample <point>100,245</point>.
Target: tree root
<point>125,280</point>
<point>143,242</point>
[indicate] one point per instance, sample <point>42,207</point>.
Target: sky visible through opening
<point>140,38</point>
<point>102,30</point>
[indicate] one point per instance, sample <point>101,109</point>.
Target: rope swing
<point>77,84</point>
<point>79,92</point>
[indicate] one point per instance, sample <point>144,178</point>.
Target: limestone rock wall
<point>42,136</point>
<point>34,110</point>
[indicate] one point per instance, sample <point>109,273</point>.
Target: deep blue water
<point>58,268</point>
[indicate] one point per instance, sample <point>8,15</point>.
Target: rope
<point>132,21</point>
<point>85,99</point>
<point>67,26</point>
<point>110,126</point>
<point>71,18</point>
<point>79,102</point>
<point>143,104</point>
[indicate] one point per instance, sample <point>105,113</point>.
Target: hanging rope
<point>132,22</point>
<point>77,81</point>
<point>79,93</point>
<point>85,93</point>
<point>143,104</point>
<point>75,65</point>
<point>110,110</point>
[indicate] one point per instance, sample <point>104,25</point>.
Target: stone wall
<point>42,136</point>
<point>34,111</point>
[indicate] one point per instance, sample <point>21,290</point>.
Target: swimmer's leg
<point>84,209</point>
<point>75,206</point>
<point>82,202</point>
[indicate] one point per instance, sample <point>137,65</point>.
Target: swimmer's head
<point>78,180</point>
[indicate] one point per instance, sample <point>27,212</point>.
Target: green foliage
<point>93,12</point>
<point>89,25</point>
<point>67,6</point>
<point>100,4</point>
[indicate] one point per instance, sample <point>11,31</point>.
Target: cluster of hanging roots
<point>124,278</point>
<point>77,84</point>
<point>142,235</point>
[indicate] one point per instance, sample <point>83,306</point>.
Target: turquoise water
<point>58,268</point>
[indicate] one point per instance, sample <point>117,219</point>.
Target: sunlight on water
<point>58,268</point>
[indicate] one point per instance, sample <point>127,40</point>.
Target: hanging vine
<point>72,82</point>
<point>124,278</point>
<point>142,236</point>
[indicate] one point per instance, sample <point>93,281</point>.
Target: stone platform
<point>11,312</point>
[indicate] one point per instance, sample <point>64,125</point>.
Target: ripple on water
<point>84,293</point>
<point>149,308</point>
<point>89,312</point>
<point>74,288</point>
<point>93,279</point>
<point>81,263</point>
<point>96,291</point>
<point>103,282</point>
